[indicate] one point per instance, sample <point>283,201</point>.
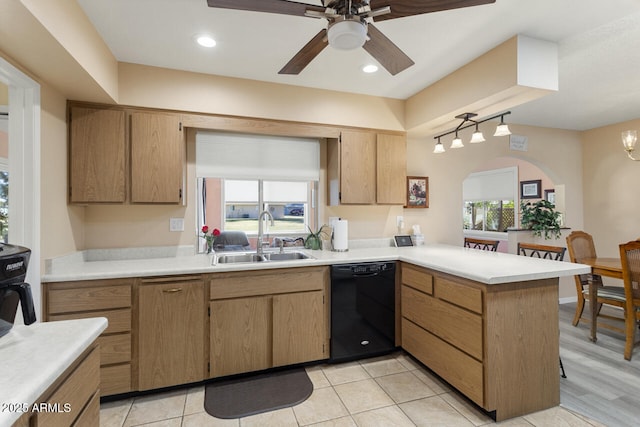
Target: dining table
<point>609,267</point>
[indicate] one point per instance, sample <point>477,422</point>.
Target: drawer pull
<point>172,290</point>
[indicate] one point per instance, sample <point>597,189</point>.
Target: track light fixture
<point>501,130</point>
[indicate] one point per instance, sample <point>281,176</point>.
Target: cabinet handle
<point>172,290</point>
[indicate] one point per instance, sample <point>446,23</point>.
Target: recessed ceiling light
<point>370,68</point>
<point>206,41</point>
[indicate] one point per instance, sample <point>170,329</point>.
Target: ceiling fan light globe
<point>347,35</point>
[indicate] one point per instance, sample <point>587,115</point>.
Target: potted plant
<point>541,218</point>
<point>314,240</point>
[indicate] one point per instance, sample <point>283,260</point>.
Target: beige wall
<point>611,192</point>
<point>61,226</point>
<point>549,149</point>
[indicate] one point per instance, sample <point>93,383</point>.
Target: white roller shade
<point>497,184</point>
<point>240,156</point>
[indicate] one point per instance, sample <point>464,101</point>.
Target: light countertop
<point>482,266</point>
<point>34,356</point>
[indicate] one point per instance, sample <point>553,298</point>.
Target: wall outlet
<point>399,220</point>
<point>176,224</point>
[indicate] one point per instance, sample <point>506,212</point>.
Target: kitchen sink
<point>286,256</point>
<point>266,257</point>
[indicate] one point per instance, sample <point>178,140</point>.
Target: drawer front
<point>458,294</point>
<point>268,283</point>
<point>455,325</point>
<point>115,379</point>
<point>418,279</point>
<point>90,416</point>
<point>459,369</point>
<point>76,390</point>
<point>119,320</point>
<point>88,298</point>
<point>115,348</point>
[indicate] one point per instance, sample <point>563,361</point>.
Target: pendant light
<point>439,147</point>
<point>457,142</point>
<point>477,136</point>
<point>502,129</point>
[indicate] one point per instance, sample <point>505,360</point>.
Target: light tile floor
<point>386,391</point>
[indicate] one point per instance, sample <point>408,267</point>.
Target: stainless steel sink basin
<point>286,256</point>
<point>266,257</point>
<point>243,257</point>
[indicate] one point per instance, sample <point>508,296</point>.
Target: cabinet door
<point>171,333</point>
<point>391,169</point>
<point>298,328</point>
<point>97,150</point>
<point>240,335</point>
<point>357,167</point>
<point>157,158</point>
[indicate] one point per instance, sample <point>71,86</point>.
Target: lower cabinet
<point>73,400</point>
<point>171,331</point>
<point>99,298</point>
<point>497,344</point>
<point>266,319</point>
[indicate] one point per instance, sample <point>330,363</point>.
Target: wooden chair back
<point>555,253</point>
<point>580,246</point>
<point>630,260</point>
<point>483,244</point>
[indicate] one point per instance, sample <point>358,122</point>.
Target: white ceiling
<point>599,49</point>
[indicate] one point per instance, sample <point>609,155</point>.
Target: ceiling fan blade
<point>284,7</point>
<point>385,52</point>
<point>306,54</point>
<point>402,8</point>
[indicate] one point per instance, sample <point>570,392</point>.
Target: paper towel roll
<point>340,235</point>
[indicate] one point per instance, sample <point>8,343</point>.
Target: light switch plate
<point>176,224</point>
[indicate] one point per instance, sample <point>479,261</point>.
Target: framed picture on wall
<point>531,189</point>
<point>417,192</point>
<point>550,196</point>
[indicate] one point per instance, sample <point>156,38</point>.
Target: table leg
<point>593,304</point>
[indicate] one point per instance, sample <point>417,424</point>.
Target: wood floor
<point>601,384</point>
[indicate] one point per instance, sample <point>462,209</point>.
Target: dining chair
<point>483,244</point>
<point>555,253</point>
<point>630,260</point>
<point>580,245</point>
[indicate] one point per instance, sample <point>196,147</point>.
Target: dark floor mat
<point>255,394</point>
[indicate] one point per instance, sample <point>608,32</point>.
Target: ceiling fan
<point>350,25</point>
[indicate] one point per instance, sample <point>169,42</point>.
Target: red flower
<point>215,232</point>
<point>205,229</point>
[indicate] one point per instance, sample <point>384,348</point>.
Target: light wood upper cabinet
<point>157,158</point>
<point>391,169</point>
<point>366,168</point>
<point>358,168</point>
<point>171,327</point>
<point>97,161</point>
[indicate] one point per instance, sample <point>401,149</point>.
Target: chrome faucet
<point>259,249</point>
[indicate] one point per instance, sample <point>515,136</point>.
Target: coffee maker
<point>13,290</point>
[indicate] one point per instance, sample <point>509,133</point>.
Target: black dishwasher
<point>362,310</point>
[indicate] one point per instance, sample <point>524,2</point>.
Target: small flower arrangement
<point>209,235</point>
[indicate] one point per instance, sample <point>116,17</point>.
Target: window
<point>240,176</point>
<point>488,200</point>
<point>490,215</point>
<point>286,201</point>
